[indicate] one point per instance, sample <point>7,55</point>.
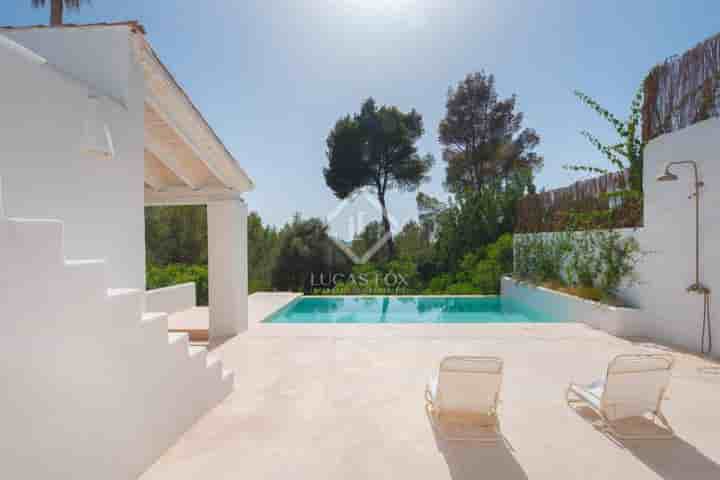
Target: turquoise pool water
<point>493,309</point>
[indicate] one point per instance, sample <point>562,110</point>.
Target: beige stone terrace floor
<point>346,402</point>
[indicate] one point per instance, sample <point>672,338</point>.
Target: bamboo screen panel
<point>551,211</point>
<point>683,90</point>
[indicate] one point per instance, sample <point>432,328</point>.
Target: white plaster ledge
<point>173,299</point>
<point>620,321</point>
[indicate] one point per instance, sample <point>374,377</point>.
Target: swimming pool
<point>490,309</point>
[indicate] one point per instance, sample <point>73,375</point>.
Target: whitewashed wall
<point>669,313</point>
<point>43,113</point>
<point>93,388</point>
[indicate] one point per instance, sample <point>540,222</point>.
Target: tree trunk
<point>386,225</point>
<point>56,12</point>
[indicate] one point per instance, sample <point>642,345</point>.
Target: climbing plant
<point>628,152</point>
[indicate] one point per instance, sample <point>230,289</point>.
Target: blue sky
<point>272,76</point>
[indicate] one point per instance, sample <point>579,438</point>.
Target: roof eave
<point>158,68</point>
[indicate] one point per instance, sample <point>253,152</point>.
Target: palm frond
<point>74,4</point>
<point>69,4</point>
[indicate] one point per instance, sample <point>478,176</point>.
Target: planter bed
<point>622,321</point>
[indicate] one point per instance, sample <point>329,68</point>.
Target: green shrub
<point>595,263</point>
<point>502,253</point>
<point>486,277</point>
<point>479,271</point>
<point>439,284</point>
<point>540,258</point>
<point>461,289</point>
<point>620,258</point>
<point>583,264</point>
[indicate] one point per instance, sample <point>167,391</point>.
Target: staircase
<point>93,387</point>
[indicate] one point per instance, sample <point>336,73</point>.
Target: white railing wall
<point>173,299</point>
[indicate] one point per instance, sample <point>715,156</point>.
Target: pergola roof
<point>184,158</point>
<point>185,161</point>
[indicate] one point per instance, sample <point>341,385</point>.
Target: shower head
<point>667,176</point>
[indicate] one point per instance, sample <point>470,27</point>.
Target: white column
<point>227,267</point>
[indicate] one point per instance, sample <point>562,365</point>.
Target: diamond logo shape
<point>350,218</point>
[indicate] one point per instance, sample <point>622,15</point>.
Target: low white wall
<point>173,299</point>
<point>567,308</point>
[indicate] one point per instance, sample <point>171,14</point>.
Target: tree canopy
<point>305,253</point>
<point>482,136</point>
<point>375,149</point>
<point>176,234</point>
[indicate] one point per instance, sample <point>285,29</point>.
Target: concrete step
<point>228,383</point>
<point>194,321</point>
<point>196,350</point>
<point>176,338</point>
<point>125,305</point>
<point>198,359</point>
<point>87,278</point>
<point>153,316</point>
<point>154,328</point>
<point>214,364</point>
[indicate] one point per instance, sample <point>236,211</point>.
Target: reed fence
<point>591,203</point>
<point>683,90</point>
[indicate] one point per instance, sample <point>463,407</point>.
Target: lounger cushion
<point>591,393</point>
<point>634,386</point>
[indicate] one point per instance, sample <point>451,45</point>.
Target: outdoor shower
<point>697,287</point>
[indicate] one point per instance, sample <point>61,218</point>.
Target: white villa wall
<point>668,236</point>
<point>668,312</point>
<point>109,74</point>
<point>93,388</point>
<point>42,132</point>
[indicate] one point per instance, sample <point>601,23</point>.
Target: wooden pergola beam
<point>178,130</point>
<point>168,158</point>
